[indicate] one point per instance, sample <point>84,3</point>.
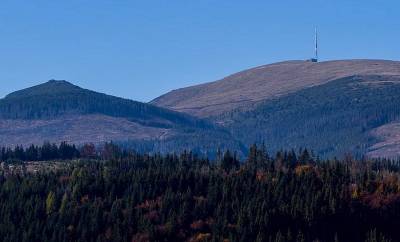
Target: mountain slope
<point>388,137</point>
<point>56,98</point>
<point>332,119</point>
<point>333,107</point>
<point>266,82</point>
<point>60,111</point>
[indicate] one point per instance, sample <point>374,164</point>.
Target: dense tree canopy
<point>117,195</point>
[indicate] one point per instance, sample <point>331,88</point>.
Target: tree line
<point>63,151</point>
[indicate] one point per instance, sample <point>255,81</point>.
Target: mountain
<point>56,98</point>
<point>333,107</point>
<point>59,111</point>
<point>266,82</point>
<point>343,116</point>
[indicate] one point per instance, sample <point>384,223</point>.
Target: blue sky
<point>142,49</point>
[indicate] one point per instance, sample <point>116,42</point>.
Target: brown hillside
<point>266,82</point>
<point>76,129</point>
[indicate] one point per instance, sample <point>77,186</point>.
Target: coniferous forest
<point>110,194</point>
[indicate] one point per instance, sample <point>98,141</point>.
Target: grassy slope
<point>267,82</point>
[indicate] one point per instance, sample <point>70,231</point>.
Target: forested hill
<point>55,98</point>
<point>58,111</point>
<point>52,87</point>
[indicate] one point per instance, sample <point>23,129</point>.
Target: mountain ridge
<point>332,119</point>
<point>332,107</point>
<point>59,111</point>
<point>266,82</point>
<point>66,98</point>
<point>53,87</point>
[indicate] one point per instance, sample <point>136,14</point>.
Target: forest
<point>112,194</point>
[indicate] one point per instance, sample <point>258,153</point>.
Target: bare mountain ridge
<point>267,82</point>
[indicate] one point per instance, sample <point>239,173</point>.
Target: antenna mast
<point>316,44</point>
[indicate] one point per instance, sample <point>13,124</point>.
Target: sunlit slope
<point>266,82</point>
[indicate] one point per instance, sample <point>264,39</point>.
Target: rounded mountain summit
<point>332,107</point>
<point>266,82</point>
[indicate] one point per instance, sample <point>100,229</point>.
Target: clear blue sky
<point>142,49</point>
